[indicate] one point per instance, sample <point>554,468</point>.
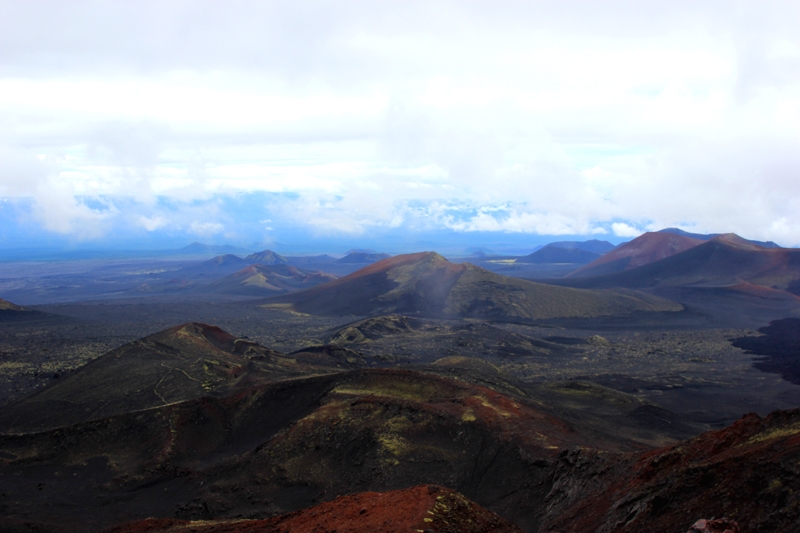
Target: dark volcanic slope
<point>779,348</point>
<point>275,447</point>
<point>426,284</point>
<point>640,251</point>
<point>183,362</point>
<point>419,508</point>
<point>362,257</point>
<point>556,254</point>
<point>722,261</point>
<point>266,280</point>
<point>748,472</point>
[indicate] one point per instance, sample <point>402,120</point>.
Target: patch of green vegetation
<point>775,433</point>
<point>404,390</point>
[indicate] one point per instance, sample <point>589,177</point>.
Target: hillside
<point>181,363</point>
<point>642,250</point>
<point>8,306</point>
<point>557,254</point>
<point>266,257</point>
<point>132,435</point>
<point>362,257</point>
<point>267,280</point>
<point>722,261</point>
<point>426,284</point>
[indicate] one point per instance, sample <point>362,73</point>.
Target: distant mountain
<point>322,258</point>
<point>360,251</point>
<point>197,248</point>
<point>268,280</point>
<point>362,257</point>
<point>426,284</point>
<point>725,260</point>
<point>555,254</point>
<point>594,245</point>
<point>640,251</point>
<point>267,257</point>
<point>706,237</point>
<point>480,254</point>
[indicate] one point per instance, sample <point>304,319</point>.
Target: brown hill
<point>420,508</point>
<point>642,250</point>
<point>722,261</point>
<point>426,284</point>
<point>267,280</point>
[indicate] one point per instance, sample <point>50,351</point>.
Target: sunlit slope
<point>426,284</point>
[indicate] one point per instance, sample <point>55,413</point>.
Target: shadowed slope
<point>556,254</point>
<point>426,284</point>
<point>640,251</point>
<point>181,363</point>
<point>362,257</point>
<point>748,472</point>
<point>421,508</point>
<point>264,280</point>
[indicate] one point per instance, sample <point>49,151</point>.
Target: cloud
<point>532,118</point>
<point>621,229</point>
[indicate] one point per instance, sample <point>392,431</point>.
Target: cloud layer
<point>350,119</point>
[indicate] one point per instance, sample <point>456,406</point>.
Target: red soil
<point>424,508</point>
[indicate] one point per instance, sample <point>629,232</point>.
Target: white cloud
<point>574,115</point>
<point>621,229</point>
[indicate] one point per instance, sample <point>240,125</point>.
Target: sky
<point>396,125</point>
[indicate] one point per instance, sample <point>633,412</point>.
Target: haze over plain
<point>396,126</point>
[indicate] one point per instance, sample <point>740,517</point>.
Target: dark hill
<point>642,250</point>
<point>180,363</point>
<point>267,257</point>
<point>215,267</point>
<point>556,254</point>
<point>362,257</point>
<point>267,280</point>
<point>426,284</point>
<point>597,246</point>
<point>12,313</point>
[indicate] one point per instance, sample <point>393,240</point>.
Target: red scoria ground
<point>420,509</point>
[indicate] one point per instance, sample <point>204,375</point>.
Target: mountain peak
<point>266,257</point>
